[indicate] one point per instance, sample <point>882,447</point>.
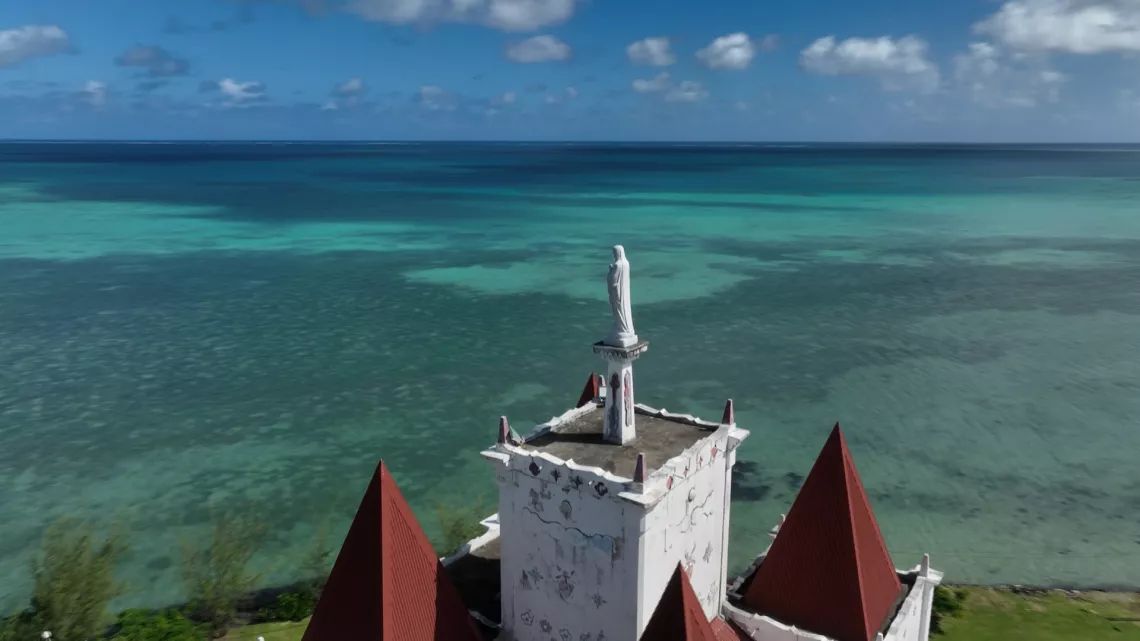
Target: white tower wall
<point>568,560</point>
<point>588,554</point>
<point>689,525</point>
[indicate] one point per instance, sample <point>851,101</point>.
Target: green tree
<point>459,525</point>
<point>74,580</point>
<point>167,625</point>
<point>217,576</point>
<point>316,566</point>
<point>947,603</point>
<point>20,627</point>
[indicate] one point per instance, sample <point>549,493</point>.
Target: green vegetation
<point>316,565</point>
<point>290,606</point>
<point>992,614</point>
<point>73,581</point>
<point>167,625</point>
<point>459,525</point>
<point>19,628</point>
<point>217,576</point>
<point>287,631</point>
<point>298,604</point>
<point>947,603</point>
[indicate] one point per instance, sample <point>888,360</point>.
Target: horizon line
<point>4,140</point>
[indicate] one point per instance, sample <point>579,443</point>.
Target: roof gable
<point>387,583</point>
<point>678,616</point>
<point>828,570</point>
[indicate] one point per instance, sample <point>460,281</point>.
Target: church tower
<point>595,516</point>
<point>610,533</point>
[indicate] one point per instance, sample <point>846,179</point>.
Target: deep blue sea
<point>187,329</point>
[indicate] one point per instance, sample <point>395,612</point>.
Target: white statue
<point>622,334</point>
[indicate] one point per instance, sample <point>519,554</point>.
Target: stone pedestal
<point>619,418</point>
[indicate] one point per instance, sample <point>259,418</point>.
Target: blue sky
<point>907,70</point>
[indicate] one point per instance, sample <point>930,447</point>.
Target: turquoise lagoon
<point>187,329</point>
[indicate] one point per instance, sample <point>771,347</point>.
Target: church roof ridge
<point>820,557</point>
<point>387,582</point>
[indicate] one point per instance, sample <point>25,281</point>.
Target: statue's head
<point>619,252</point>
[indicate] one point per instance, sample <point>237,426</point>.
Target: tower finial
<point>504,430</point>
<point>729,416</point>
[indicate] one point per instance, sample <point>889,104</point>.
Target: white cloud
<point>1073,26</point>
<point>569,93</point>
<point>994,80</point>
<point>31,41</point>
<point>508,15</point>
<point>238,92</point>
<point>651,51</point>
<point>156,61</point>
<point>508,98</point>
<point>435,98</point>
<point>431,92</point>
<point>660,82</point>
<point>350,88</point>
<point>734,51</point>
<point>95,93</point>
<point>898,64</point>
<point>687,91</point>
<point>543,48</point>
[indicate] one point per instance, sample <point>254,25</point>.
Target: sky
<point>592,70</point>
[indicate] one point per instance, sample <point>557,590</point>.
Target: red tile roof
<point>590,392</point>
<point>387,583</point>
<point>678,616</point>
<point>828,570</point>
<point>725,631</point>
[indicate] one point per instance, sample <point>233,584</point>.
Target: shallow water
<point>188,329</point>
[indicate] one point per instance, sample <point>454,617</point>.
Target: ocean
<point>190,329</point>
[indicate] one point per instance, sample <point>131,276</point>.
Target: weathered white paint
<point>762,628</point>
<point>619,422</point>
<point>620,405</point>
<point>586,552</point>
<point>565,564</point>
<point>912,622</point>
<point>688,523</point>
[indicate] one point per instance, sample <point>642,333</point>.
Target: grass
<point>990,614</point>
<point>275,631</point>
